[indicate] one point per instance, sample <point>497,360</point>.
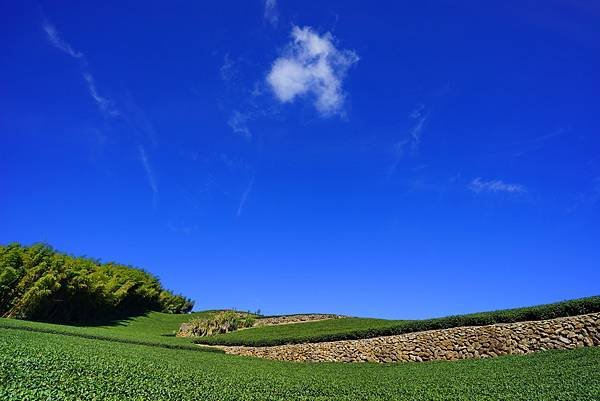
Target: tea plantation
<point>42,366</point>
<point>140,359</point>
<point>355,328</point>
<point>153,328</point>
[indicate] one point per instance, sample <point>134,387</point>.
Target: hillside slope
<point>153,328</point>
<point>358,328</point>
<point>40,366</point>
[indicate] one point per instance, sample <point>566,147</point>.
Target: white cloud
<point>398,154</point>
<point>312,65</point>
<point>495,186</point>
<point>149,174</point>
<point>590,197</point>
<point>238,123</point>
<point>420,115</point>
<point>57,41</point>
<point>103,103</point>
<point>271,13</point>
<point>181,229</point>
<point>227,70</point>
<point>245,196</point>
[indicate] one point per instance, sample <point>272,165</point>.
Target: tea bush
<point>357,328</point>
<point>38,366</point>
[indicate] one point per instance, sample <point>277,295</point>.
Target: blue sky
<point>387,159</point>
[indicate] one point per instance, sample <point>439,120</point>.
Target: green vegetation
<point>219,323</point>
<point>39,283</point>
<point>354,328</point>
<point>140,358</point>
<point>39,366</point>
<point>154,329</point>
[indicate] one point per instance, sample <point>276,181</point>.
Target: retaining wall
<point>447,344</point>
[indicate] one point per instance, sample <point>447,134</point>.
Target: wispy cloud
<point>238,123</point>
<point>312,65</point>
<point>587,198</point>
<point>271,15</point>
<point>245,195</point>
<point>149,174</point>
<point>134,117</point>
<point>523,147</point>
<point>479,185</point>
<point>58,42</point>
<point>420,115</point>
<point>103,103</point>
<point>181,229</point>
<point>227,70</point>
<point>543,138</point>
<point>398,150</point>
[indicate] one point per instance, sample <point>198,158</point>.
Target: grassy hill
<point>153,328</point>
<point>355,328</point>
<point>139,359</point>
<point>42,366</point>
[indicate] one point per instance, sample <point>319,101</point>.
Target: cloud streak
<point>134,116</point>
<point>271,15</point>
<point>238,123</point>
<point>105,105</point>
<point>58,42</point>
<point>245,194</point>
<point>495,186</point>
<point>149,174</point>
<point>227,70</point>
<point>588,198</point>
<point>311,65</point>
<point>420,115</point>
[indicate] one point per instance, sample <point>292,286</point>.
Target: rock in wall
<point>289,319</point>
<point>447,344</point>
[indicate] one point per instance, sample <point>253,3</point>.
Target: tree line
<point>39,283</point>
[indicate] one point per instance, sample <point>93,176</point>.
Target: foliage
<point>219,323</point>
<point>154,329</point>
<point>39,283</point>
<point>355,328</point>
<point>38,366</point>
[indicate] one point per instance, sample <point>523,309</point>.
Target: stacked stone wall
<point>447,344</point>
<point>289,319</point>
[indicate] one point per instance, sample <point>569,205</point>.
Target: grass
<point>355,328</point>
<point>41,366</point>
<point>154,328</point>
<point>322,330</point>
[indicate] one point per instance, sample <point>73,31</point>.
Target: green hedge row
<point>50,330</point>
<point>541,312</point>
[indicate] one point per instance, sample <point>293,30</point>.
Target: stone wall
<point>288,319</point>
<point>447,344</point>
<point>192,328</point>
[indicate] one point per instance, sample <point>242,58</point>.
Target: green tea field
<point>43,366</point>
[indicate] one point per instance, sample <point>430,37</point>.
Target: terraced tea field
<point>154,328</point>
<point>140,359</point>
<point>356,328</point>
<point>43,366</point>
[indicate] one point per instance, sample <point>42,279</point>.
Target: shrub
<point>219,323</point>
